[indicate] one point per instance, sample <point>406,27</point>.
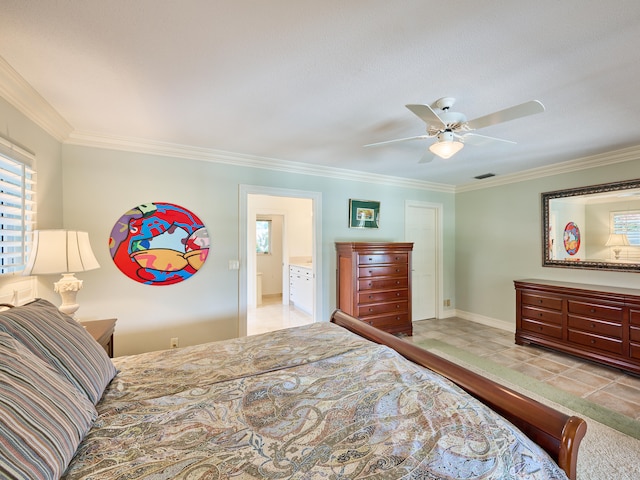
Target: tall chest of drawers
<point>593,322</point>
<point>374,283</point>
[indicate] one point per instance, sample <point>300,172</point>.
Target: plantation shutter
<point>17,205</point>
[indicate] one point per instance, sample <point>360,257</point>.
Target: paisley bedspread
<point>313,402</point>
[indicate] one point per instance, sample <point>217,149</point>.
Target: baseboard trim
<point>488,321</point>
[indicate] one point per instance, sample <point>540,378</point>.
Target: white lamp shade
<point>60,251</point>
<point>446,146</point>
<point>617,240</point>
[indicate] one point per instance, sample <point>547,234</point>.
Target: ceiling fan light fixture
<point>446,146</point>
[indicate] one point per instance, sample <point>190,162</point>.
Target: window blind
<point>17,206</point>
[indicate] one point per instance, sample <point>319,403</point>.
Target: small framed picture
<point>364,214</point>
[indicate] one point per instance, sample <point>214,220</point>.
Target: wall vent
<point>485,175</point>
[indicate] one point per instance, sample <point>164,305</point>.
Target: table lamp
<point>62,252</point>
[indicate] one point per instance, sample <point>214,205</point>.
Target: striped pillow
<point>61,342</point>
<point>43,418</point>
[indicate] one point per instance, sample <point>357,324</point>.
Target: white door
<point>421,228</point>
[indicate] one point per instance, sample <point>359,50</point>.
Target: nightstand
<point>102,332</point>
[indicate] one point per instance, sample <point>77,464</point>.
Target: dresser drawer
<point>634,317</point>
<point>634,334</point>
<point>383,258</point>
<point>599,327</point>
<point>382,283</point>
<point>388,321</point>
<point>634,350</point>
<point>383,271</point>
<point>542,315</point>
<point>541,328</point>
<point>607,344</point>
<point>363,311</point>
<point>544,301</point>
<point>596,310</point>
<point>372,296</point>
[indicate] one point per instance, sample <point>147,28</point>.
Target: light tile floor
<point>272,315</point>
<point>602,385</point>
<point>609,387</point>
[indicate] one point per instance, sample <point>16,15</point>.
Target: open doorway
<point>265,289</point>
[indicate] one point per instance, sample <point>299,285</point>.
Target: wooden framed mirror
<point>595,227</point>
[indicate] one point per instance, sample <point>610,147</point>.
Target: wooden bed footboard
<point>557,433</point>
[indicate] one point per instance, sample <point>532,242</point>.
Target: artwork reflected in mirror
<point>594,227</point>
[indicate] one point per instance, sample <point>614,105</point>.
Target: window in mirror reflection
<point>627,223</point>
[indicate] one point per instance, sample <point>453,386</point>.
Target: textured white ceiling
<point>313,81</point>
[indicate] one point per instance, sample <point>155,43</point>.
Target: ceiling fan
<point>452,129</point>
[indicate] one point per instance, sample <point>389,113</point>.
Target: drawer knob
<point>539,301</point>
<point>593,310</point>
<point>397,294</point>
<point>593,325</point>
<point>593,341</point>
<point>371,309</point>
<point>540,314</point>
<point>397,306</point>
<point>370,258</point>
<point>397,269</point>
<point>540,328</point>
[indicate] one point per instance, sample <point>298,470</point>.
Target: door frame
<point>316,254</point>
<point>439,268</point>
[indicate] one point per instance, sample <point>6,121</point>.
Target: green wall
<point>101,184</point>
<point>499,239</point>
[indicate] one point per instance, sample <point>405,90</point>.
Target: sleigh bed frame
<point>557,433</point>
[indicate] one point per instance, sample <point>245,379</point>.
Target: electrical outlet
<point>447,303</point>
<point>174,342</point>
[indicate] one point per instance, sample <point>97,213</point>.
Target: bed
<point>331,400</point>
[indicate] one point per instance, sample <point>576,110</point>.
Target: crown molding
<point>592,161</point>
<point>97,140</point>
<point>17,91</point>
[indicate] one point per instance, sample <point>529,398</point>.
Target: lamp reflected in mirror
<point>617,240</point>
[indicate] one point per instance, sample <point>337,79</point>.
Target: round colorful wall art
<point>159,243</point>
<point>571,238</point>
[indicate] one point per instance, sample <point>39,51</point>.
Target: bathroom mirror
<point>595,227</point>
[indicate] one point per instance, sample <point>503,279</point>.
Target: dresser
<point>374,283</point>
<point>598,323</point>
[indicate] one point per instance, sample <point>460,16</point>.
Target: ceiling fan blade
<point>426,113</point>
<point>427,157</point>
<point>475,139</point>
<point>511,113</point>
<point>419,137</point>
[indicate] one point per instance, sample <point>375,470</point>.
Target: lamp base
<point>68,287</point>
